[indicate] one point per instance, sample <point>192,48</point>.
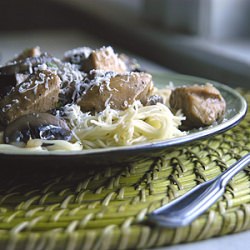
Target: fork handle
<point>188,207</point>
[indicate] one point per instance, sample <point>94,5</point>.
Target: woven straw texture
<point>106,208</point>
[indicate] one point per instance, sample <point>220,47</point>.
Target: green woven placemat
<point>106,208</point>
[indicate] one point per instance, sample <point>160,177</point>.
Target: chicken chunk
<point>120,92</point>
<point>38,93</point>
<point>31,52</point>
<point>202,105</point>
<point>104,59</point>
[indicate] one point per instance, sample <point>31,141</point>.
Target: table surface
<point>56,42</point>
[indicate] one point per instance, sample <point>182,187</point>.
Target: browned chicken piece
<point>202,105</point>
<point>104,59</point>
<point>31,52</point>
<point>119,93</point>
<point>38,93</point>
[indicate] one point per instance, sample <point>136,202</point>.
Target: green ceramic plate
<point>235,111</point>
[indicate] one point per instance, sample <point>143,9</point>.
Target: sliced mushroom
<point>7,82</point>
<point>1,127</point>
<point>119,92</point>
<point>36,125</point>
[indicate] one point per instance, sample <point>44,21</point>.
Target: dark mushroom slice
<point>1,127</point>
<point>38,93</point>
<point>104,59</point>
<point>36,126</point>
<point>119,92</point>
<point>77,56</point>
<point>202,105</point>
<point>7,82</point>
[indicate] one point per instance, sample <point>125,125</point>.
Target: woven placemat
<point>106,208</point>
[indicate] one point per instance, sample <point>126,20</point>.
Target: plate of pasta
<point>95,107</point>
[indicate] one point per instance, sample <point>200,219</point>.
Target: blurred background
<point>207,38</point>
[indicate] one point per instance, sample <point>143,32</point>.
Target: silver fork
<point>188,207</point>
